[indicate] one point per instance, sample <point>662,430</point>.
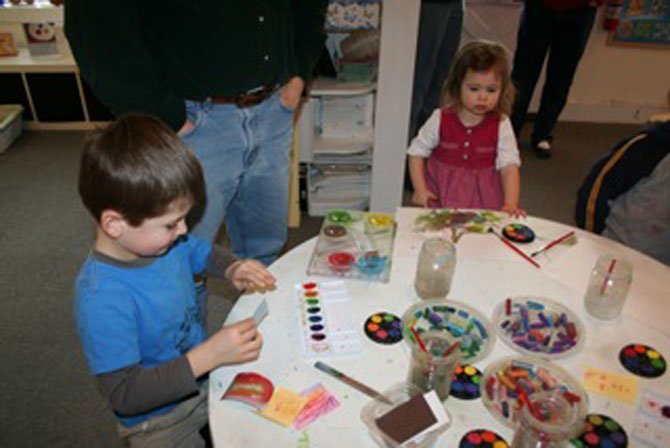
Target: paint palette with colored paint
<point>601,431</point>
<point>538,327</point>
<point>518,233</point>
<point>466,382</point>
<point>384,328</point>
<point>354,245</point>
<point>327,327</point>
<point>462,321</point>
<point>482,438</point>
<point>642,360</point>
<point>510,380</point>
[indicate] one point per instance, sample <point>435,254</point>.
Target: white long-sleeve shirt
<point>429,137</point>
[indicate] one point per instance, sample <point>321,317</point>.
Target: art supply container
<point>608,287</point>
<point>398,394</point>
<point>435,268</point>
<point>548,421</point>
<point>434,367</point>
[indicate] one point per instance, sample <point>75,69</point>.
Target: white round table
<point>486,273</point>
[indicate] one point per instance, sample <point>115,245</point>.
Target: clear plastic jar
<point>549,421</point>
<point>608,287</point>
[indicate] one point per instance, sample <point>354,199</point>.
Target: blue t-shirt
<point>146,315</point>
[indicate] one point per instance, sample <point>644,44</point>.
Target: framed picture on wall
<point>643,23</point>
<point>7,47</point>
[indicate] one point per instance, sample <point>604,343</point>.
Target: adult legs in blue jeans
<point>561,35</point>
<point>440,27</point>
<point>245,158</point>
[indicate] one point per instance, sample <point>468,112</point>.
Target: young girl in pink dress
<point>466,155</point>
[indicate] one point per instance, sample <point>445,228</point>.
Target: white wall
<point>613,84</point>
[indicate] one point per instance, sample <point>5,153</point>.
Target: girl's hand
<point>250,274</point>
<point>514,211</point>
<point>423,197</point>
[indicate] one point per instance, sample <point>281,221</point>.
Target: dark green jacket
<point>149,55</point>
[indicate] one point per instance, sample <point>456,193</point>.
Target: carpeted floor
<point>48,399</point>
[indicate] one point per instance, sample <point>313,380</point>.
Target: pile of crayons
<point>510,385</point>
<point>538,328</point>
<point>458,321</point>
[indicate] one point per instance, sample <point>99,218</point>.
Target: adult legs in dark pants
<point>562,36</point>
<point>440,27</point>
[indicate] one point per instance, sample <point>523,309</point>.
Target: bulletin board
<point>643,23</point>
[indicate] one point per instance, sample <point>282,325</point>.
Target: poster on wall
<point>643,23</point>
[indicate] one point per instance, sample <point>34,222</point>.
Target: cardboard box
<point>10,124</point>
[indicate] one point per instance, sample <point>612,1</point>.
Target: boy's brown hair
<point>137,166</point>
<point>480,56</point>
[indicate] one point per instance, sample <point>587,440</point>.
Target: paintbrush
<point>558,240</point>
<point>351,382</point>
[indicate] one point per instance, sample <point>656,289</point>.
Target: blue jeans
<point>562,35</point>
<point>440,27</point>
<point>245,157</point>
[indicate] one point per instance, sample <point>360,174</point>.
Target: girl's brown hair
<point>137,166</point>
<point>480,56</point>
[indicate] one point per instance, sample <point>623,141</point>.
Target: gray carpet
<point>48,399</point>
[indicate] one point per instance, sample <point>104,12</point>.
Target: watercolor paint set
<point>354,245</point>
<point>326,324</point>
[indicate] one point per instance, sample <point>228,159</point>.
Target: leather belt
<point>251,98</point>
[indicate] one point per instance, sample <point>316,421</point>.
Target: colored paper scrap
<point>283,407</point>
<point>652,419</point>
<point>319,402</point>
<point>611,384</point>
<point>251,388</point>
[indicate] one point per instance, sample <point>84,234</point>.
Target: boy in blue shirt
<point>140,323</point>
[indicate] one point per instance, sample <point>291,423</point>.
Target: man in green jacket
<point>226,75</point>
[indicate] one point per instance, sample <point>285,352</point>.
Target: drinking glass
<point>548,421</point>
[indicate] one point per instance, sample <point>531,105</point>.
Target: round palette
<point>379,221</point>
<point>482,438</point>
<point>341,262</point>
<point>510,380</point>
<point>642,360</point>
<point>462,321</point>
<point>602,431</point>
<point>465,384</point>
<point>339,216</point>
<point>538,326</point>
<point>383,328</point>
<point>518,233</point>
<point>371,263</point>
<point>334,231</point>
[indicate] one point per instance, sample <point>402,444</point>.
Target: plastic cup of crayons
<point>434,362</point>
<point>547,420</point>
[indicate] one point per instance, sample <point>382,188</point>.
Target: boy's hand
<point>423,197</point>
<point>233,344</point>
<point>250,274</point>
<point>514,211</point>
